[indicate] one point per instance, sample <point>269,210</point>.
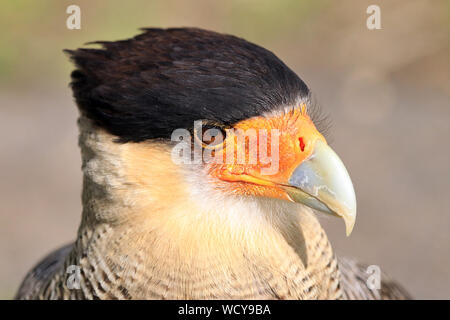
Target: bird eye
<point>211,135</point>
<point>302,144</point>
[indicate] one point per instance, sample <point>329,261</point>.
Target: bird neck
<point>137,205</point>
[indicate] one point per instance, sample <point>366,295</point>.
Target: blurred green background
<point>386,91</point>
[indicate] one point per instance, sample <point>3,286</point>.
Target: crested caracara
<point>161,220</point>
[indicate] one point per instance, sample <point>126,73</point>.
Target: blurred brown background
<point>387,92</point>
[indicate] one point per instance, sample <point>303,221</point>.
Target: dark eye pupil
<point>211,134</point>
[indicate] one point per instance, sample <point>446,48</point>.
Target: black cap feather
<point>163,79</point>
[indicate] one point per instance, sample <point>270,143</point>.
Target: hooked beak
<point>321,182</point>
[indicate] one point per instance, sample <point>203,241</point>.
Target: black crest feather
<point>147,86</point>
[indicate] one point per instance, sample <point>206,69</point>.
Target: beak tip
<point>349,221</point>
<point>349,227</point>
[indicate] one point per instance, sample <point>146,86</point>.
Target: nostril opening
<point>302,144</point>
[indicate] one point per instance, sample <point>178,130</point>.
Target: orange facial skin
<point>297,137</point>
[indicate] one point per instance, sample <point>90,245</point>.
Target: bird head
<point>260,139</point>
